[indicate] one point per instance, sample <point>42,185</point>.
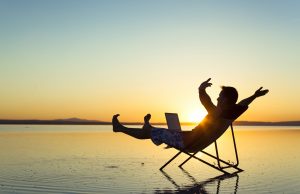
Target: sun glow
<point>196,116</point>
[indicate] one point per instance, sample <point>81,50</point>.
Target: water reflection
<point>104,162</point>
<point>200,187</point>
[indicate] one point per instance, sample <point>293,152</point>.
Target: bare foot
<point>146,122</point>
<point>117,126</point>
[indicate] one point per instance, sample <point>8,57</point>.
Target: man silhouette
<point>226,108</point>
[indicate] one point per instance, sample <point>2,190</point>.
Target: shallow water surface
<point>83,159</point>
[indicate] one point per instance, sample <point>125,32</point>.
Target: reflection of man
<point>226,109</point>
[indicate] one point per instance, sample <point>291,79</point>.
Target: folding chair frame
<point>219,161</point>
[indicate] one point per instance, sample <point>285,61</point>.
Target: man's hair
<point>230,93</point>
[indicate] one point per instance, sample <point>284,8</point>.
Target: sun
<point>196,116</point>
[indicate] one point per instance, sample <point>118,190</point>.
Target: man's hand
<point>205,85</point>
<point>260,92</point>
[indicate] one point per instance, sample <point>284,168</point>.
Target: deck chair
<point>217,129</point>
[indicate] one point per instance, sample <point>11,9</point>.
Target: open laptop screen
<point>173,121</point>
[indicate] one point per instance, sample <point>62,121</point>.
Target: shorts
<point>169,137</point>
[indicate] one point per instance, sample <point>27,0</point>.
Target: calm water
<point>92,159</point>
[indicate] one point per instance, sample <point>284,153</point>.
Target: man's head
<point>227,97</point>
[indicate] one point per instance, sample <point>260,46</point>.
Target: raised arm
<point>204,97</point>
<point>250,99</point>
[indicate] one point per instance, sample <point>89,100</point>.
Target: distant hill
<point>74,119</point>
<point>78,121</point>
<point>69,121</point>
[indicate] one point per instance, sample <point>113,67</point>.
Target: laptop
<point>173,121</point>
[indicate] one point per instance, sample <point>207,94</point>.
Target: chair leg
<point>235,151</point>
<point>207,163</point>
<point>233,166</point>
<point>161,168</point>
<point>187,160</point>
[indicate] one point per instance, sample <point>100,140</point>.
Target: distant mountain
<point>74,119</point>
<point>68,121</point>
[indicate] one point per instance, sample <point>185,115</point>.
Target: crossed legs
<point>143,133</point>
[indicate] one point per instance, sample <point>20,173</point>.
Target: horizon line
<point>79,121</point>
<point>94,120</point>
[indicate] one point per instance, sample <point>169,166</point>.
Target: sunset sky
<point>92,59</point>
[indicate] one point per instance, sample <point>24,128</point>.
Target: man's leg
<point>143,133</point>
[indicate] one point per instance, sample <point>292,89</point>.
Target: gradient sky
<point>92,59</point>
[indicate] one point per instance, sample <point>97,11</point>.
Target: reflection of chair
<point>200,187</point>
<point>215,130</point>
